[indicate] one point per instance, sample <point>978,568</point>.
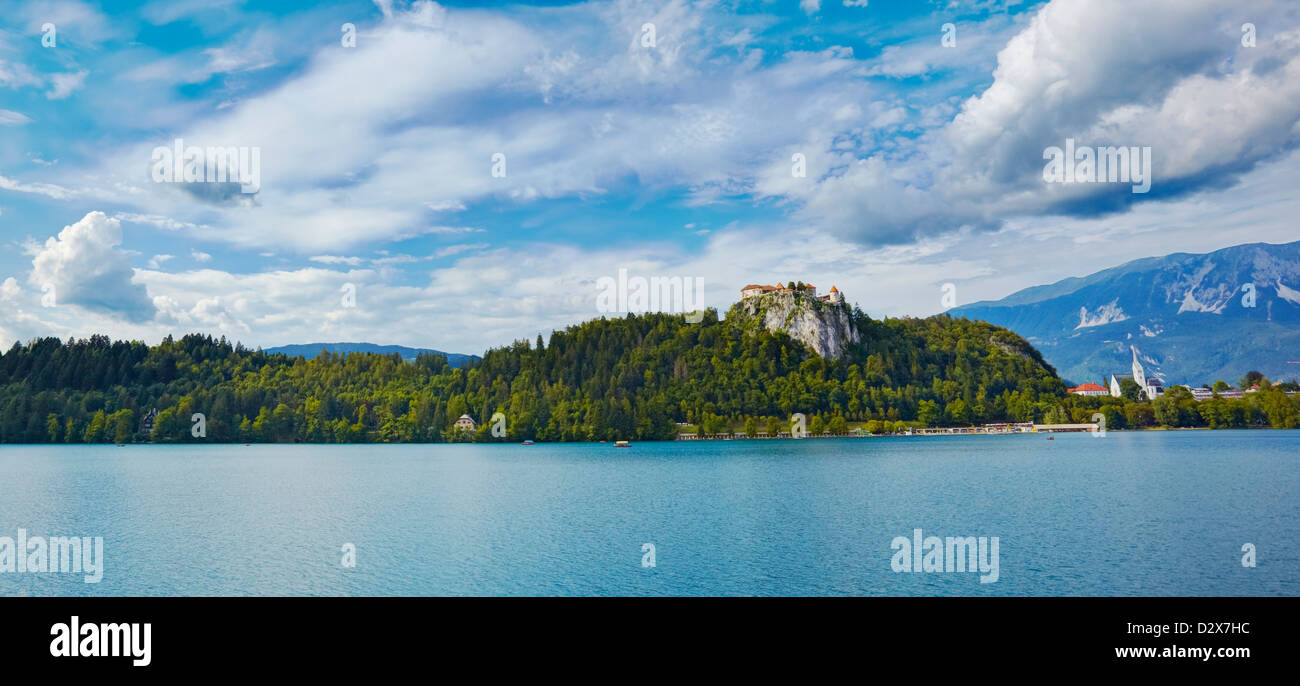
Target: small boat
<point>622,444</point>
<point>526,443</point>
<point>1051,438</point>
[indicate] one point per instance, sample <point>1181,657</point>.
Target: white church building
<point>1151,387</point>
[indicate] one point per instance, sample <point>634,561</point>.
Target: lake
<point>1132,513</point>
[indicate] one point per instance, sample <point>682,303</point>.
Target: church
<point>1151,387</point>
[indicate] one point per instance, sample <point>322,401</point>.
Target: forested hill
<point>625,378</point>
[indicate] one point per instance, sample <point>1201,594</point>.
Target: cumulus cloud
<point>355,152</point>
<point>904,184</point>
<point>1172,76</point>
<point>9,289</point>
<point>352,147</point>
<point>490,297</point>
<point>86,268</point>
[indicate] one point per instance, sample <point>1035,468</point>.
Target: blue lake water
<point>1140,513</point>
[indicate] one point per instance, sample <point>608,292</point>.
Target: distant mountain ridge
<point>1194,318</point>
<point>311,350</point>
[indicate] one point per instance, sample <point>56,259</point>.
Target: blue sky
<point>923,160</point>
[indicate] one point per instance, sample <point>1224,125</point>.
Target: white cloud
<point>358,152</point>
<point>1169,75</point>
<point>156,220</point>
<point>9,289</point>
<point>79,21</point>
<point>926,56</point>
<point>17,75</point>
<point>336,259</point>
<point>47,189</point>
<point>87,269</point>
<point>63,85</point>
<point>519,290</point>
<point>459,248</point>
<point>156,261</point>
<point>408,130</point>
<point>200,256</point>
<point>12,118</point>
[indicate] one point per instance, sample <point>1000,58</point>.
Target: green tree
<point>928,413</point>
<point>52,427</point>
<point>124,425</point>
<point>1281,411</point>
<point>1129,390</point>
<point>95,430</point>
<point>1252,378</point>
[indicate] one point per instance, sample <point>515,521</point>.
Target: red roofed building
<point>804,289</point>
<point>754,289</point>
<point>1089,389</point>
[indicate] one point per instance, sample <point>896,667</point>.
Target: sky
<point>458,176</point>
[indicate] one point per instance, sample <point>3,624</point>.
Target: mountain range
<point>311,350</point>
<point>1194,318</point>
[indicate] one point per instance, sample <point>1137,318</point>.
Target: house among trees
<point>146,422</point>
<point>1089,389</point>
<point>465,423</point>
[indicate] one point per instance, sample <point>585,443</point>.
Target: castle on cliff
<point>806,290</point>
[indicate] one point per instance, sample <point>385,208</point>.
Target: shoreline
<point>928,434</point>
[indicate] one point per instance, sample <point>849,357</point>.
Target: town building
<point>1201,393</point>
<point>1089,389</point>
<point>465,423</point>
<point>1205,393</point>
<point>755,290</point>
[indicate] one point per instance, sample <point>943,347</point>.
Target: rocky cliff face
<point>824,327</point>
